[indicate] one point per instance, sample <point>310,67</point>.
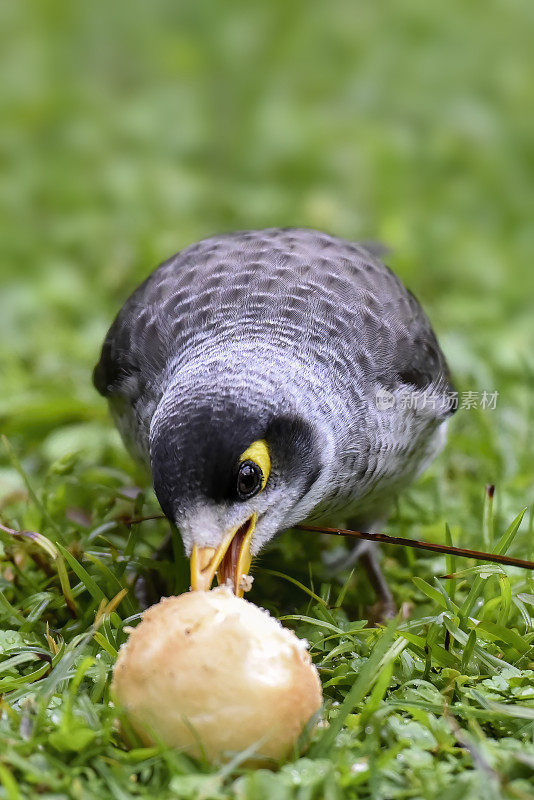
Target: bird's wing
<point>416,357</point>
<point>389,331</point>
<point>135,348</point>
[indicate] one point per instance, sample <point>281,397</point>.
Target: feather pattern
<point>285,320</point>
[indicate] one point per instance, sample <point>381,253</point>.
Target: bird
<point>270,377</point>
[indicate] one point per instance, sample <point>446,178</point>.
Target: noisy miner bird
<point>272,377</point>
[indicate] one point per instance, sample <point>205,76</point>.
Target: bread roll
<point>211,673</point>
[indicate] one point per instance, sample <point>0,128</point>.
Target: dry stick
<point>398,540</point>
<point>435,548</point>
<point>136,520</point>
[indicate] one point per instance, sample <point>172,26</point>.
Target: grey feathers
<point>275,321</point>
<point>304,288</point>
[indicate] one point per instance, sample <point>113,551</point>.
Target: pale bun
<point>211,673</point>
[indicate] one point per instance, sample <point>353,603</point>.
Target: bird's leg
<point>367,553</point>
<point>151,585</point>
<point>385,607</point>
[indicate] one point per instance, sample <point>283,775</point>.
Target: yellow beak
<point>230,560</point>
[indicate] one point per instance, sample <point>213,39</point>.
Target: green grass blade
<point>90,584</point>
<point>362,685</point>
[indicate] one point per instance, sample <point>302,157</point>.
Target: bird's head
<point>231,472</point>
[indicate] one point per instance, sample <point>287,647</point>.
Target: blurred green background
<point>131,129</point>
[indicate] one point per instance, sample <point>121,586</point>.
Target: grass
<point>132,129</point>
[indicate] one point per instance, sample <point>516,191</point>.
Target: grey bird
<point>272,377</point>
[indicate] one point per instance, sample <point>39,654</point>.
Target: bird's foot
<point>385,609</point>
<point>381,611</point>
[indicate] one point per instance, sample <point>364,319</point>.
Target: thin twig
<point>136,520</point>
<point>383,538</point>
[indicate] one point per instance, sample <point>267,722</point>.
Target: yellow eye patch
<point>259,453</point>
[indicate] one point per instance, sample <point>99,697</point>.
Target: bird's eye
<point>249,479</point>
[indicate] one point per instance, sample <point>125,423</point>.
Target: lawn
<point>130,130</point>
